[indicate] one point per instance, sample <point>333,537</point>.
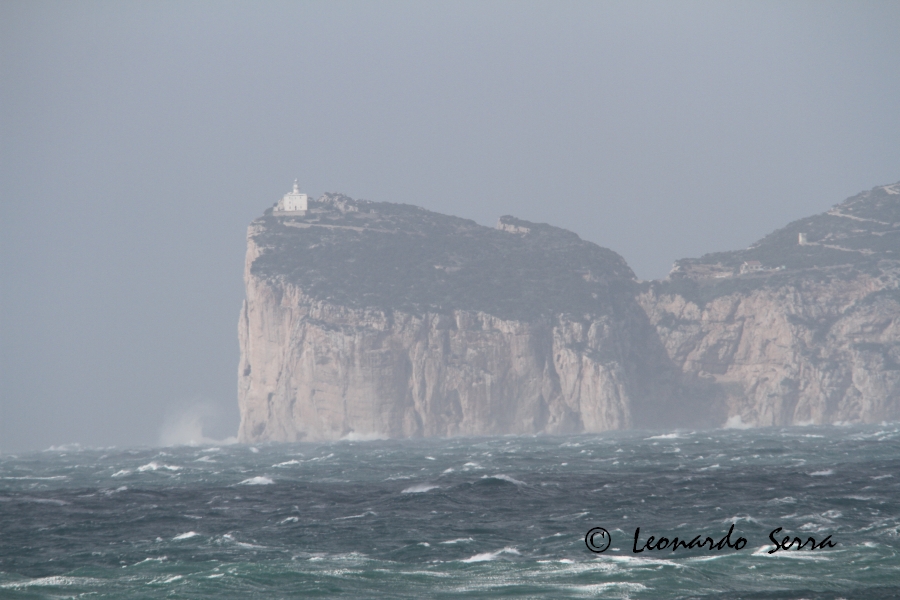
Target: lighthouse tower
<point>293,202</point>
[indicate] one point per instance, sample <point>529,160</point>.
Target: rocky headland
<point>803,327</point>
<point>371,319</point>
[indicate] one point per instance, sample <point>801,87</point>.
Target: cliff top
<point>862,229</point>
<point>397,256</point>
<point>860,234</point>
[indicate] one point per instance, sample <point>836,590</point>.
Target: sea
<point>481,517</point>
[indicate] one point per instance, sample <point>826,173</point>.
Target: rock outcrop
<point>367,320</point>
<point>786,333</point>
<point>382,320</point>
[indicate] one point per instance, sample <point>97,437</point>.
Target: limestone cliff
<point>796,329</point>
<point>382,320</point>
<point>368,319</point>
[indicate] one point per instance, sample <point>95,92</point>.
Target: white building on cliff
<point>293,202</point>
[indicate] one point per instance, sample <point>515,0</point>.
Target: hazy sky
<point>139,139</point>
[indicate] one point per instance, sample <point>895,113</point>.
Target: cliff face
<point>450,343</point>
<point>810,333</point>
<point>383,320</point>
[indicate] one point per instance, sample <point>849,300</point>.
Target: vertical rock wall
<point>311,370</point>
<point>810,352</point>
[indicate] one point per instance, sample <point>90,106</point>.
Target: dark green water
<point>460,518</point>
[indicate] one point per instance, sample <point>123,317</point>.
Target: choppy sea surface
<point>458,518</point>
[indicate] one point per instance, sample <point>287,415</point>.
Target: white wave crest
<point>738,519</point>
<point>592,589</point>
<point>420,488</point>
<point>489,556</point>
<point>152,559</point>
<point>170,579</point>
<point>258,480</point>
<point>361,516</point>
<point>824,473</point>
<point>785,500</point>
<point>54,581</point>
<point>155,466</point>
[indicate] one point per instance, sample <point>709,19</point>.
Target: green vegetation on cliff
<point>400,257</point>
<point>861,230</point>
<point>861,234</point>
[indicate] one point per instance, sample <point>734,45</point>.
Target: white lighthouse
<point>293,202</point>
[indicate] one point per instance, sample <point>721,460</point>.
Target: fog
<point>140,139</point>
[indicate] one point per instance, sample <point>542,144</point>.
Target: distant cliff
<point>367,319</point>
<point>788,333</point>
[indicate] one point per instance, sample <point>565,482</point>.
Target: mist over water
<point>467,517</point>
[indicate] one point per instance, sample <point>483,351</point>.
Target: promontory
<point>380,320</point>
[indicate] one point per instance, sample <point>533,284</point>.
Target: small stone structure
<point>512,225</point>
<point>801,239</point>
<point>752,266</point>
<point>293,202</point>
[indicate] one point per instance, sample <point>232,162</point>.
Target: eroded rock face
<point>315,369</point>
<point>810,353</point>
<point>815,341</point>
